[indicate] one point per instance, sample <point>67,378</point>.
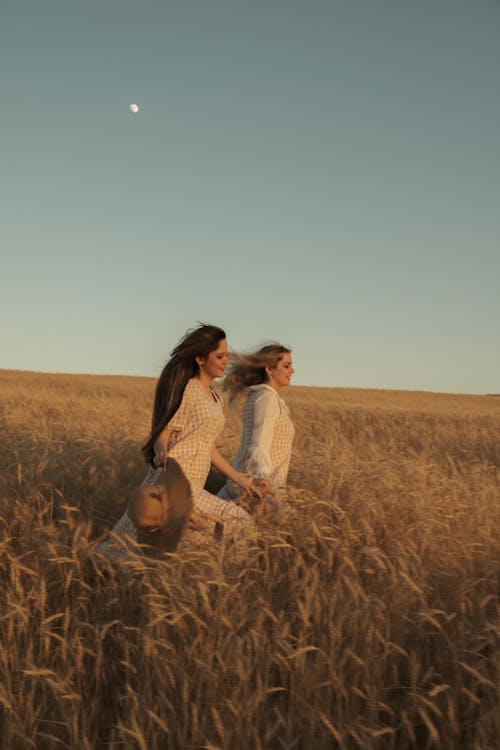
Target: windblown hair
<point>180,368</point>
<point>250,369</point>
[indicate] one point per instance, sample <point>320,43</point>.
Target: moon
<point>134,108</point>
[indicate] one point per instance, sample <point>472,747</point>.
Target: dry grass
<point>370,619</point>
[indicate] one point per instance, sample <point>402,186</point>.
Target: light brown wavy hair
<point>245,370</point>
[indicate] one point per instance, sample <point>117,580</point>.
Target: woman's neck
<point>204,380</point>
<point>273,386</point>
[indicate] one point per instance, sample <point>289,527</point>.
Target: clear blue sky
<point>325,173</point>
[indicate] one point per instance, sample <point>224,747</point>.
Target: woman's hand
<point>161,453</point>
<point>166,440</point>
<point>256,487</point>
<point>260,487</point>
<point>244,481</point>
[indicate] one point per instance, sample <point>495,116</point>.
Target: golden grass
<point>368,619</point>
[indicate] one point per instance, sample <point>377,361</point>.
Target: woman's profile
<point>268,432</point>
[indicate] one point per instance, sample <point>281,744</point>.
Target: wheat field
<point>367,618</point>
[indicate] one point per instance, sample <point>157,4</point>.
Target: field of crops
<point>367,618</point>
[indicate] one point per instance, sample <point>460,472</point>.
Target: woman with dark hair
<point>187,418</point>
<point>266,441</point>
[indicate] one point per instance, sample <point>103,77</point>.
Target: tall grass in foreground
<point>368,619</point>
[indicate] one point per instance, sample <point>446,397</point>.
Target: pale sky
<point>323,173</point>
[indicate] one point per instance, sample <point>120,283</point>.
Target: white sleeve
<point>266,412</point>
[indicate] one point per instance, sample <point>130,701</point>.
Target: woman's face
<point>216,362</point>
<point>282,373</point>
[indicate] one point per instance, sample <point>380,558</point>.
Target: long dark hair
<point>180,368</point>
<point>250,369</point>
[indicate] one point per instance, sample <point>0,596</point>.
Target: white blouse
<point>266,440</point>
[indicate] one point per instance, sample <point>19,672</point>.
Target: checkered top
<point>198,421</point>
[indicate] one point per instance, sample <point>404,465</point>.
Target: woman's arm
<point>166,439</point>
<point>266,412</point>
<point>220,463</point>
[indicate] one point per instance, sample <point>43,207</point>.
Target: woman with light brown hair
<point>267,436</point>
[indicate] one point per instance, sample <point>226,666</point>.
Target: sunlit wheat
<point>367,618</point>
